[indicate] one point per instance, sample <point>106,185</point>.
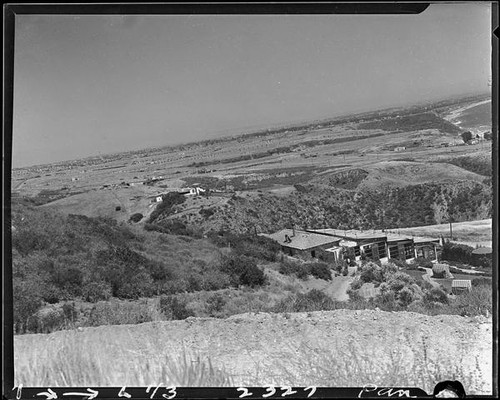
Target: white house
<point>192,191</point>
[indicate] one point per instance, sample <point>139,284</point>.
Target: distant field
<point>478,115</point>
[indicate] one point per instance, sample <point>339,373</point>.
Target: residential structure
<point>355,245</point>
<point>191,191</point>
<point>297,242</point>
<point>359,244</point>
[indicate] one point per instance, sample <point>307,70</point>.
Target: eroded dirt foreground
<point>330,348</point>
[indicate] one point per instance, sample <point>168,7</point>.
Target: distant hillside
<point>319,206</point>
<point>393,174</point>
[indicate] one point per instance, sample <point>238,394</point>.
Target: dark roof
<point>302,240</point>
<point>394,237</point>
<point>482,250</point>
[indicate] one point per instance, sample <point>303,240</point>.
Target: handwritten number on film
<point>172,393</point>
<point>271,390</point>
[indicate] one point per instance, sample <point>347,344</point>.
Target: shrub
<point>340,265</point>
<point>207,212</point>
<point>435,295</point>
<point>26,302</point>
<point>248,245</point>
<point>457,252</point>
<point>48,319</point>
<point>321,271</point>
<point>485,262</point>
<point>354,295</point>
<point>422,262</point>
<point>215,280</point>
<point>356,284</point>
<point>476,302</point>
<point>371,272</point>
<point>26,241</point>
<point>118,312</point>
<point>314,300</point>
<point>165,208</point>
<point>242,270</point>
<point>289,267</point>
<point>398,292</point>
<point>400,263</point>
<point>252,276</point>
<point>215,304</point>
<point>481,282</point>
<point>173,308</point>
<point>136,217</point>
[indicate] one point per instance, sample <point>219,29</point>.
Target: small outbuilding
<point>441,271</point>
<point>460,286</point>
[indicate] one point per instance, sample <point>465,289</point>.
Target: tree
<point>466,136</point>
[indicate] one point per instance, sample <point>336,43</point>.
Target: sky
<point>96,84</point>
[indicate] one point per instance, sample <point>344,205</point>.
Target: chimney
<point>293,229</point>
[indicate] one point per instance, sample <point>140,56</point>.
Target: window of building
<point>382,253</point>
<point>368,251</point>
<point>393,251</point>
<point>409,252</point>
<point>357,251</point>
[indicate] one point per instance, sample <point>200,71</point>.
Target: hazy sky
<point>87,85</point>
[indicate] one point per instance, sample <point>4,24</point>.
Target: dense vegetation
<point>398,291</point>
<point>166,206</point>
<point>60,258</point>
<point>473,164</point>
<point>463,254</point>
<point>318,206</point>
<point>77,271</point>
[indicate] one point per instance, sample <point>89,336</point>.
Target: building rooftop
<point>394,237</point>
<point>302,240</point>
<point>351,234</point>
<point>461,283</point>
<point>420,239</point>
<point>483,250</point>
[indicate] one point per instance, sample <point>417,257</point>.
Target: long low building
<point>381,245</point>
<point>335,244</point>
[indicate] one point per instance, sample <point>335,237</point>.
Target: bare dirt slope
<point>334,348</point>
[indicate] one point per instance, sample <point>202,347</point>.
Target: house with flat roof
<point>382,245</point>
<point>359,244</point>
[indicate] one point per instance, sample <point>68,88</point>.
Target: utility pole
<point>451,230</point>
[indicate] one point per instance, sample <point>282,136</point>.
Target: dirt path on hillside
<point>329,348</point>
